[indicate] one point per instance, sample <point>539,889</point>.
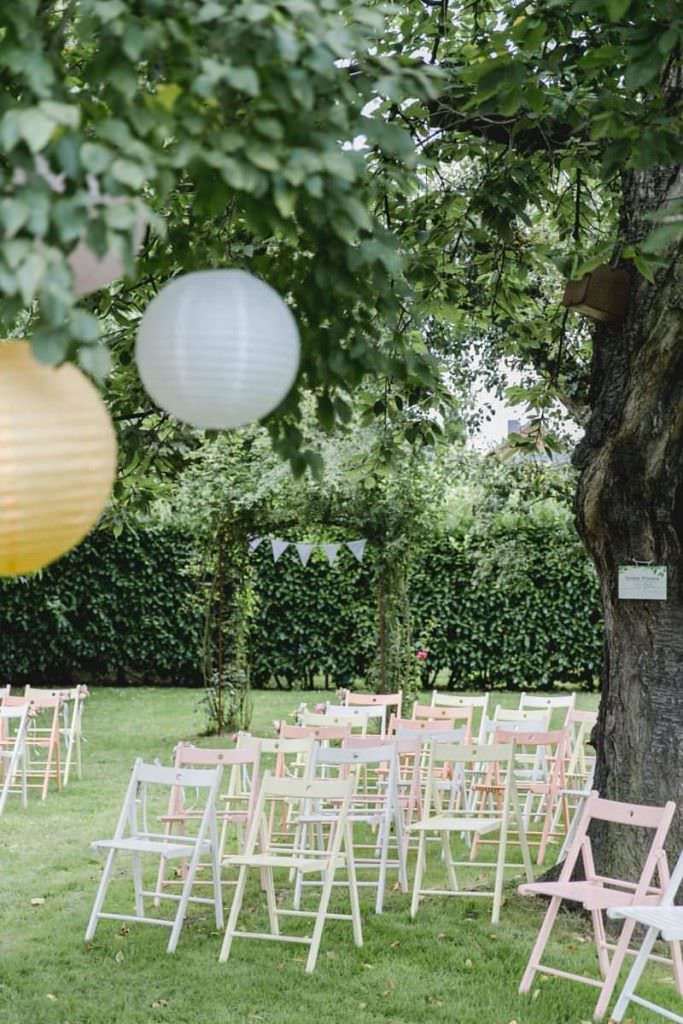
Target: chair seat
<point>448,823</point>
<point>669,920</point>
<point>132,844</point>
<point>274,860</point>
<point>593,895</point>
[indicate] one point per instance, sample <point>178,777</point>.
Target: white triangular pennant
<point>279,547</point>
<point>254,543</point>
<point>331,550</point>
<point>304,552</point>
<point>357,548</point>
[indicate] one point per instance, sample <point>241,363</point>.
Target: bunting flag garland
<point>279,547</point>
<point>304,551</point>
<point>331,550</point>
<point>357,548</point>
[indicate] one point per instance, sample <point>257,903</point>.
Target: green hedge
<point>508,610</point>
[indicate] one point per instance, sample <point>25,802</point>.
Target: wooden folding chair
<point>375,805</point>
<point>71,732</point>
<point>43,739</point>
<point>599,892</point>
<point>234,808</point>
<point>539,771</point>
<point>361,719</point>
<point>456,717</point>
<point>484,821</point>
<point>133,836</point>
<point>13,755</point>
<point>665,921</point>
<point>259,854</point>
<point>388,701</point>
<point>561,705</point>
<point>460,700</point>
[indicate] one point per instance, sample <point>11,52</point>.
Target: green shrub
<point>503,608</point>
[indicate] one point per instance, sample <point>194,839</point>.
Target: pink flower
<point>422,655</point>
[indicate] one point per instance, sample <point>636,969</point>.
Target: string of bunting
<point>305,550</point>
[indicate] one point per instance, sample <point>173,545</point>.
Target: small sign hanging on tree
<point>642,582</point>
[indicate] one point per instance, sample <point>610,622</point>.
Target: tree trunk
<point>630,507</point>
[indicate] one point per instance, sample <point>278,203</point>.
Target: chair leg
<point>613,973</point>
<point>216,870</point>
<point>320,921</point>
<point>271,902</point>
<point>419,872</point>
<point>183,902</point>
<point>600,941</point>
<point>234,914</point>
<point>353,888</point>
<point>540,944</point>
<point>100,895</point>
<point>137,885</point>
<point>634,975</point>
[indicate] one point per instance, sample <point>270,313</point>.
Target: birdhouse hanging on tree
<point>601,295</point>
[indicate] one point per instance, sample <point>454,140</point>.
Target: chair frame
<point>456,700</point>
<point>13,752</point>
<point>141,841</point>
<point>305,793</point>
<point>467,821</point>
<point>380,810</point>
<point>599,892</point>
<point>665,920</point>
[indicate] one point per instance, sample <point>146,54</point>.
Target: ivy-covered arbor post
<point>229,610</point>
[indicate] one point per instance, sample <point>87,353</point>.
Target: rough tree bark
<point>630,507</point>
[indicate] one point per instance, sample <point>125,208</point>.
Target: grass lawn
<point>450,965</point>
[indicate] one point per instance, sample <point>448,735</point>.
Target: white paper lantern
<point>217,349</point>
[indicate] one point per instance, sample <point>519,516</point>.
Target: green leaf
<point>13,214</point>
<point>641,73</point>
<point>243,79</point>
<point>35,127</point>
<point>128,173</point>
<point>95,158</point>
<point>167,95</point>
<point>262,156</point>
<point>29,275</point>
<point>95,360</point>
<point>107,10</point>
<point>84,326</point>
<point>49,346</point>
<point>617,9</point>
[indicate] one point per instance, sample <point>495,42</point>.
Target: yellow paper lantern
<point>57,459</point>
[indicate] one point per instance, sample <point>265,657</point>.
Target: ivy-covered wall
<point>515,609</point>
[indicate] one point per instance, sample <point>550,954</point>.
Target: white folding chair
<point>460,700</point>
<point>564,703</point>
<point>338,854</point>
<point>133,836</point>
<point>486,821</point>
<point>13,752</point>
<point>359,718</point>
<point>665,921</point>
<point>375,804</point>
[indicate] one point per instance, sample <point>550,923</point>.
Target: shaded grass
<point>450,965</point>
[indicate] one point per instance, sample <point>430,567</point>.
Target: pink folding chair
<point>391,702</point>
<point>455,716</point>
<point>599,892</point>
<point>44,762</point>
<point>238,802</point>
